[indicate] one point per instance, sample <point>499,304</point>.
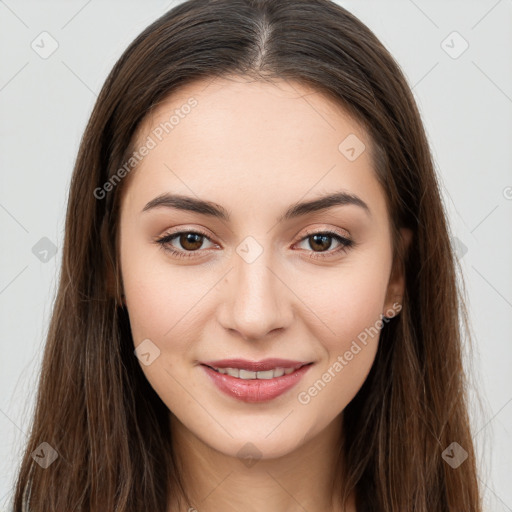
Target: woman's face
<point>263,278</point>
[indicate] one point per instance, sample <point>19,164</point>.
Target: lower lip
<point>255,390</point>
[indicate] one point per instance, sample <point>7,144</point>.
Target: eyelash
<point>346,243</point>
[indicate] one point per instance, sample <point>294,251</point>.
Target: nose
<point>257,299</point>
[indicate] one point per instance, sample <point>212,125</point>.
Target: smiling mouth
<point>255,381</point>
<point>242,374</point>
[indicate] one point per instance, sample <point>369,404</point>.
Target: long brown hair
<point>94,406</point>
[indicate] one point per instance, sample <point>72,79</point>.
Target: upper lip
<point>255,366</point>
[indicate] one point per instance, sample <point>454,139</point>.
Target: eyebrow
<point>215,210</point>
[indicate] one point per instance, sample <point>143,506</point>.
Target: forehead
<point>271,140</point>
<point>243,108</point>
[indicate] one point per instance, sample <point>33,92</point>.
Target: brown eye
<point>320,242</point>
<point>188,243</point>
<point>191,241</point>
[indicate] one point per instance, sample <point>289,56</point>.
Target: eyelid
<point>345,241</point>
<point>343,233</point>
<point>309,232</point>
<point>181,231</point>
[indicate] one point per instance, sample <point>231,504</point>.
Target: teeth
<point>269,374</point>
<point>247,375</point>
<point>234,372</point>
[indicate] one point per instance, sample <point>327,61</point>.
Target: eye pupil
<point>191,241</point>
<point>321,240</point>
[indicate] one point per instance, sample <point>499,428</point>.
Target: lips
<point>248,374</point>
<point>255,366</point>
<point>255,381</point>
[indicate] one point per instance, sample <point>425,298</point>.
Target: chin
<point>256,444</point>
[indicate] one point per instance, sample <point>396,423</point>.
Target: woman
<point>258,306</point>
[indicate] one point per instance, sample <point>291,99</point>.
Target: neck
<point>308,478</point>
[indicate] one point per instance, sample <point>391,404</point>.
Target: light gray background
<point>466,103</point>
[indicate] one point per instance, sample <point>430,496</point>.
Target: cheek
<point>348,301</point>
<point>162,304</point>
<point>162,307</point>
<point>160,300</point>
<point>350,307</point>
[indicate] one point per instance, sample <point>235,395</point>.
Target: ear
<point>396,283</point>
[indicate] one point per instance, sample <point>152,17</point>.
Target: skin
<point>256,148</point>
